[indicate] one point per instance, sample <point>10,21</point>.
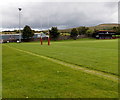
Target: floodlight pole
<point>19,24</point>
<point>48,32</point>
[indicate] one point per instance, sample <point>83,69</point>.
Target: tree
<point>54,34</point>
<point>117,30</point>
<point>82,30</point>
<point>95,32</point>
<point>89,33</point>
<point>27,33</point>
<point>16,31</point>
<point>74,33</point>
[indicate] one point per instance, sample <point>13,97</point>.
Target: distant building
<point>105,34</point>
<point>15,37</point>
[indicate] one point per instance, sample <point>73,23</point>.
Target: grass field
<point>25,74</point>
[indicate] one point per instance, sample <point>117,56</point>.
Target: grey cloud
<point>63,15</point>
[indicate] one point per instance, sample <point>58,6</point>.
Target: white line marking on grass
<point>86,70</point>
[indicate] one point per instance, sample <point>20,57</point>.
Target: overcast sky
<point>43,15</point>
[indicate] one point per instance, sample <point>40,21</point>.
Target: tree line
<point>27,32</point>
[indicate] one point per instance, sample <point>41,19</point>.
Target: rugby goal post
<point>42,35</point>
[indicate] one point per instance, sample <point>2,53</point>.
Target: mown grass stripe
<point>86,70</point>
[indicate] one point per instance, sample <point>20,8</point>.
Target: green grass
<point>25,75</point>
<point>95,54</point>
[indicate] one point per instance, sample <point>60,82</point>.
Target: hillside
<point>98,27</point>
<point>104,26</point>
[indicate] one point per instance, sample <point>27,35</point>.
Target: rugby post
<point>48,38</point>
<point>41,42</point>
<point>41,36</point>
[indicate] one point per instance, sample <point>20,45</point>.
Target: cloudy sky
<point>43,15</point>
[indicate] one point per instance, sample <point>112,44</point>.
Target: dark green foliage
<point>89,33</point>
<point>94,33</point>
<point>27,32</point>
<point>82,30</point>
<point>114,28</point>
<point>74,33</point>
<point>16,31</point>
<point>117,30</point>
<point>54,34</point>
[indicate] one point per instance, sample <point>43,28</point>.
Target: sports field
<point>65,69</point>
